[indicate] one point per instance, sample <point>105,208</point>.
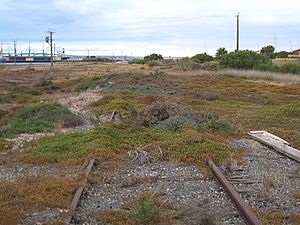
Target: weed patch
<point>146,209</point>
<point>107,142</point>
<point>38,118</point>
<point>33,193</point>
<point>94,82</point>
<point>175,123</point>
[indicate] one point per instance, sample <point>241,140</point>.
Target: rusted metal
<point>244,209</point>
<point>79,191</point>
<point>112,115</point>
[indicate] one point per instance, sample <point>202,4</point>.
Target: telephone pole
<point>51,47</point>
<point>29,48</point>
<point>54,52</point>
<point>43,49</point>
<point>238,32</point>
<point>15,51</point>
<point>49,40</point>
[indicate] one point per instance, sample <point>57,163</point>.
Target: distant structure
<point>294,54</point>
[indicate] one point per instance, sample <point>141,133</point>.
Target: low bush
<point>245,59</point>
<point>175,123</point>
<point>186,64</point>
<point>153,63</point>
<point>138,61</point>
<point>186,145</point>
<point>201,58</point>
<point>94,82</point>
<point>161,111</point>
<point>287,68</point>
<point>39,118</point>
<point>211,122</point>
<point>146,211</point>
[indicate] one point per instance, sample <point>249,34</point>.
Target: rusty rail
<point>79,191</point>
<point>245,211</point>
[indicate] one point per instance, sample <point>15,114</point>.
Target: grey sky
<point>140,27</point>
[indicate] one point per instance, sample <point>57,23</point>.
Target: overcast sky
<point>140,27</point>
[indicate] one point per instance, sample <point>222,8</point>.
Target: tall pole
<point>238,32</point>
<point>1,47</point>
<point>51,47</point>
<point>29,48</point>
<point>43,49</point>
<point>15,51</point>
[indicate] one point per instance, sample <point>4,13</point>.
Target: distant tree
<point>268,50</point>
<point>246,59</point>
<point>201,58</point>
<point>282,54</point>
<point>153,56</point>
<point>220,52</point>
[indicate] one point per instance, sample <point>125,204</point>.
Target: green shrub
<point>186,64</point>
<point>138,61</point>
<point>288,68</point>
<point>175,123</point>
<point>221,51</point>
<point>92,84</point>
<point>245,60</point>
<point>38,118</point>
<point>146,212</point>
<point>212,122</point>
<point>154,57</point>
<point>106,142</point>
<point>201,58</point>
<point>161,111</point>
<point>153,63</point>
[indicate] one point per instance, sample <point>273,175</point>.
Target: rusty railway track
<point>88,165</point>
<point>249,217</point>
<point>79,191</point>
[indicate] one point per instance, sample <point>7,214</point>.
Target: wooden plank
<point>276,143</point>
<point>112,115</point>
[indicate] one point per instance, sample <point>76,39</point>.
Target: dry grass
<point>33,193</point>
<point>259,75</point>
<point>277,217</point>
<point>148,209</point>
<point>283,61</point>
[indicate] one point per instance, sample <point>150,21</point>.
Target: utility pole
<point>49,40</point>
<point>51,47</point>
<point>43,49</point>
<point>1,47</point>
<point>29,48</point>
<point>238,32</point>
<point>15,51</point>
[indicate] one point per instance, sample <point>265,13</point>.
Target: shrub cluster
<point>245,59</point>
<point>201,58</point>
<point>39,118</point>
<point>151,60</point>
<point>169,116</point>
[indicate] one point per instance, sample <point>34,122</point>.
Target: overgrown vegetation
<point>151,60</point>
<point>39,118</point>
<point>33,193</point>
<point>245,60</point>
<point>92,83</point>
<point>148,208</point>
<point>186,145</point>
